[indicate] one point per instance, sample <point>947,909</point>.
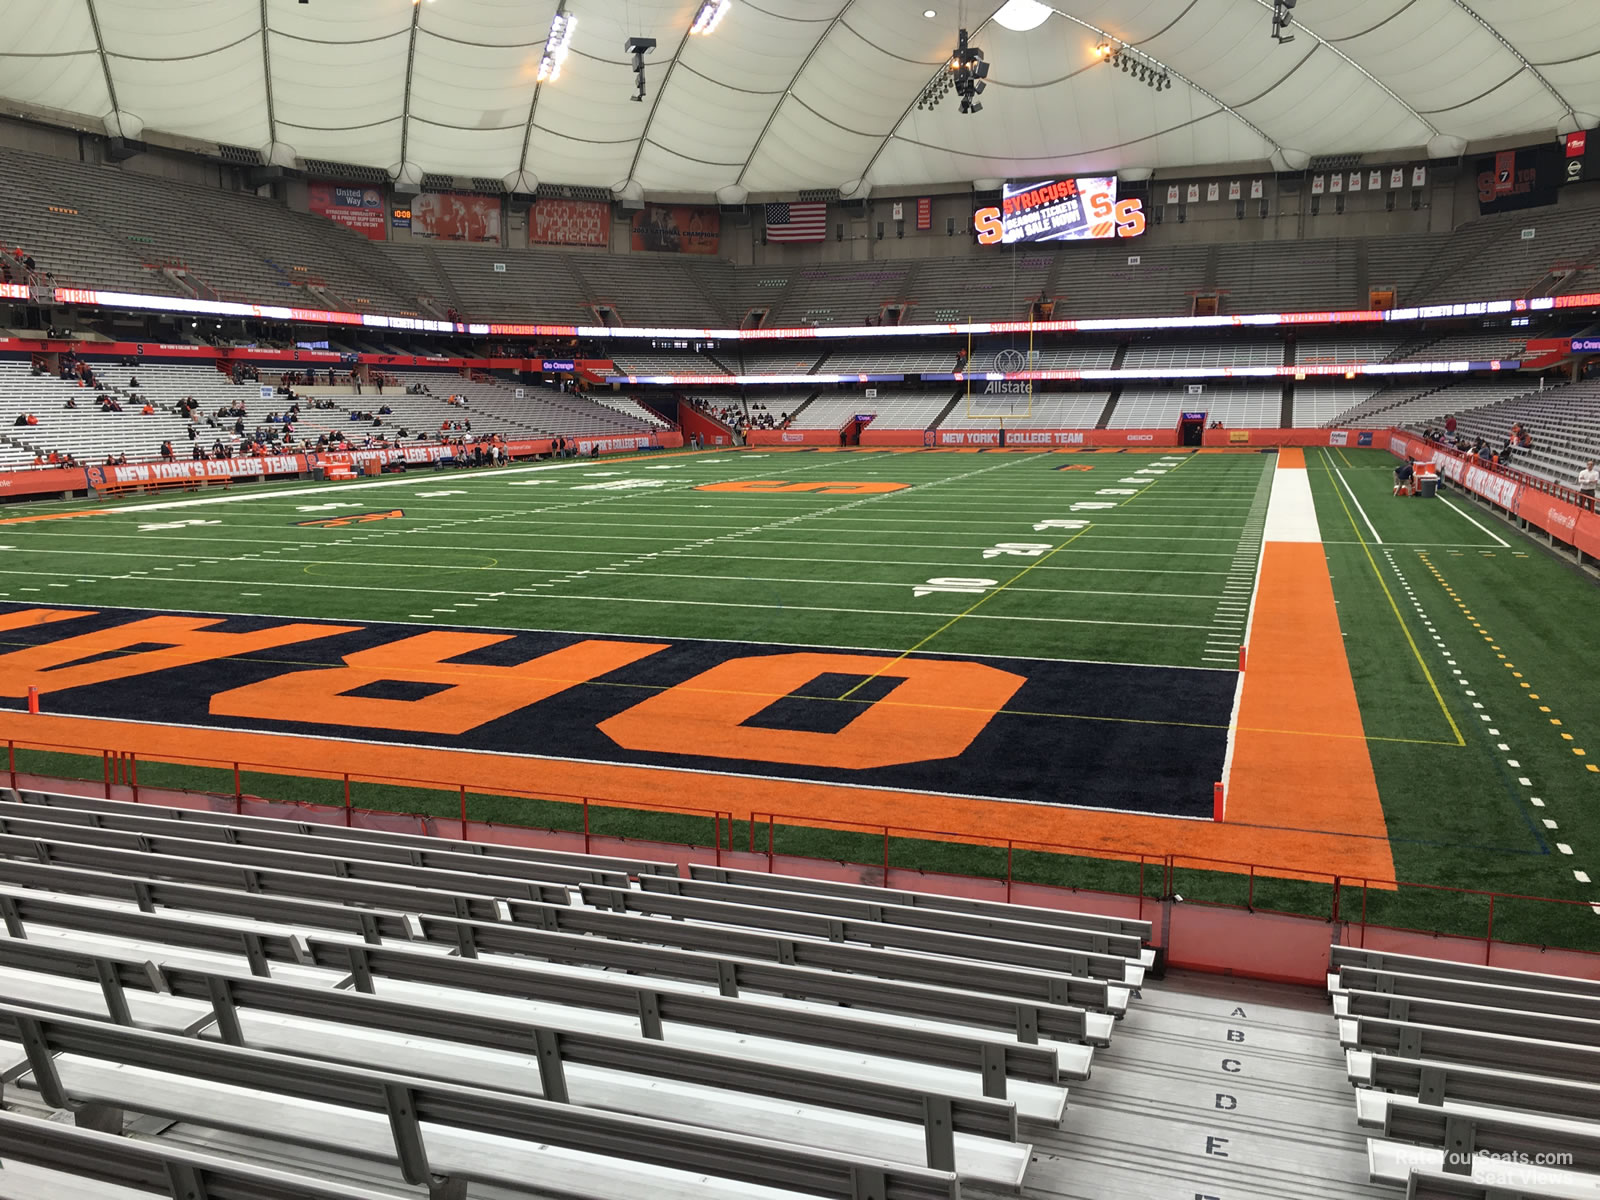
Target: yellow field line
<point>1394,607</point>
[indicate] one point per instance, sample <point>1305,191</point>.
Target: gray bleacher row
<point>96,226</point>
<point>767,1059</point>
<point>1563,422</point>
<point>100,225</point>
<point>1468,1072</point>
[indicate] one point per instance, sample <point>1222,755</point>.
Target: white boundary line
<point>1249,626</point>
<point>1356,502</point>
<point>1469,517</point>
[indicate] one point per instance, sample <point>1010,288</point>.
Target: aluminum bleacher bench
<point>345,836</point>
<point>480,899</point>
<point>1379,960</point>
<point>958,1001</point>
<point>1435,987</point>
<point>913,899</point>
<point>1435,1185</point>
<point>1449,1014</point>
<point>574,1066</point>
<point>292,851</point>
<point>1502,1051</point>
<point>97,1070</point>
<point>20,883</point>
<point>1448,1083</point>
<point>1110,967</point>
<point>86,1165</point>
<point>1462,1136</point>
<point>991,1061</point>
<point>1016,925</point>
<point>864,960</point>
<point>440,856</point>
<point>1027,1021</point>
<point>1033,984</point>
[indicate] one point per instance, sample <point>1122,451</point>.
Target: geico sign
<point>1127,213</point>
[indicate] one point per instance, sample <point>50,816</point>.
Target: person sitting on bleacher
<point>22,419</point>
<point>71,403</point>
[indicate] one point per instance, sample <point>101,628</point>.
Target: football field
<point>967,647</point>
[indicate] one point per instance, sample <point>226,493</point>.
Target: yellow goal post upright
<point>1011,398</point>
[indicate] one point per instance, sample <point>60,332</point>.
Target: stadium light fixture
<point>556,47</point>
<point>1282,18</point>
<point>710,16</point>
<point>1020,16</point>
<point>1130,61</point>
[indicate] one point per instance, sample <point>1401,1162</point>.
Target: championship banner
<point>925,212</point>
<point>676,229</point>
<point>456,217</point>
<point>1516,179</point>
<point>354,207</point>
<point>569,223</point>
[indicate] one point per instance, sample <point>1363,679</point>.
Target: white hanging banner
<point>1172,193</point>
<point>1213,191</point>
<point>1374,180</point>
<point>1316,185</point>
<point>1193,193</point>
<point>1338,183</point>
<point>1233,189</point>
<point>1355,181</point>
<point>1255,189</point>
<point>899,211</point>
<point>1419,176</point>
<point>1397,177</point>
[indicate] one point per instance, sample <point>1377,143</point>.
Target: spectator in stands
<point>196,453</point>
<point>1588,479</point>
<point>133,383</point>
<point>148,409</point>
<point>166,451</point>
<point>1449,424</point>
<point>71,403</point>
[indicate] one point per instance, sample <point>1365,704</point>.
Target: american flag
<point>806,222</point>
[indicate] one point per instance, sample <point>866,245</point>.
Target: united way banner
<point>456,217</point>
<point>676,229</point>
<point>351,205</point>
<point>569,223</point>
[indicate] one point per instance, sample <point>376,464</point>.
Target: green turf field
<point>1456,717</point>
